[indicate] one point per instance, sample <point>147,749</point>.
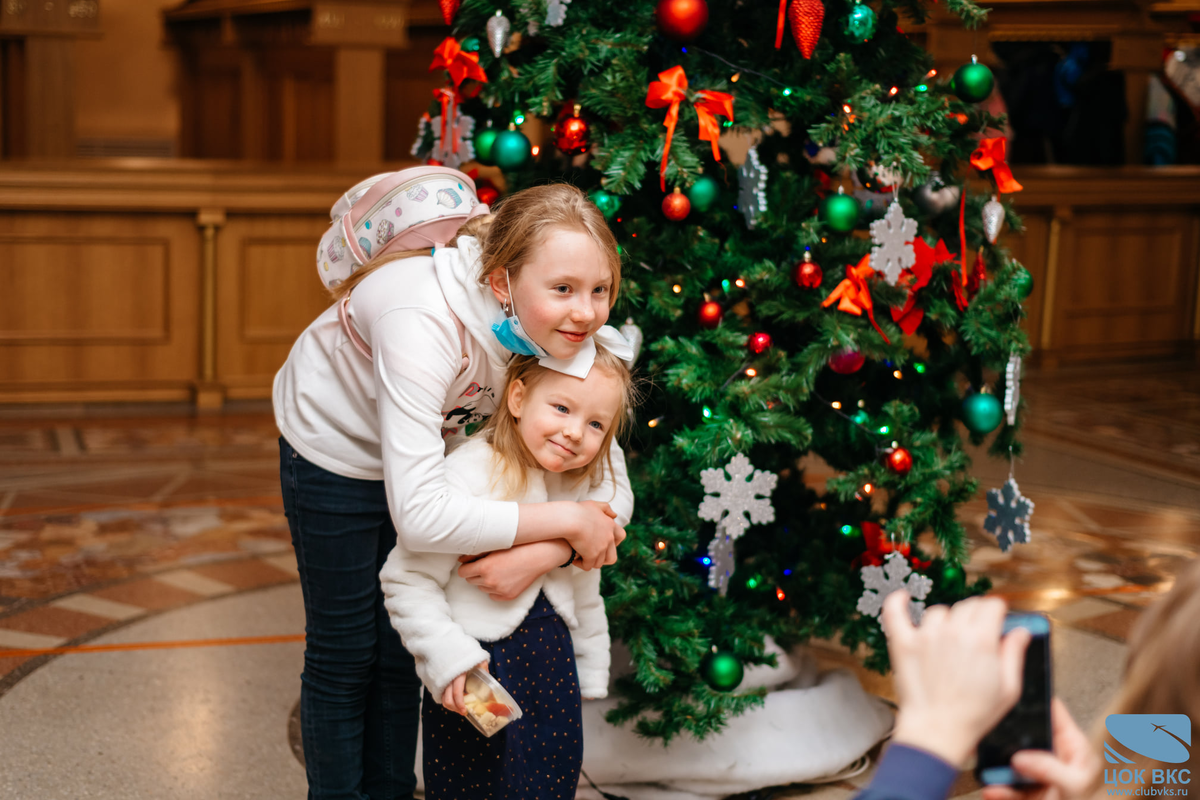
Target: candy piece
<point>499,709</point>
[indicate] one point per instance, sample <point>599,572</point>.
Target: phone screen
<point>1027,725</point>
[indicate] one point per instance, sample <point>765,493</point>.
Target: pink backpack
<point>391,212</point>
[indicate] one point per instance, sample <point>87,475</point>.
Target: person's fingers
<point>1070,741</point>
<point>619,535</point>
<point>1045,768</point>
<point>997,792</point>
<point>934,618</point>
<point>1012,663</point>
<point>468,571</point>
<point>611,556</point>
<point>607,509</point>
<point>460,684</point>
<point>448,698</point>
<point>897,624</point>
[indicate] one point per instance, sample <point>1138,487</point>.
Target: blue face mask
<point>511,334</point>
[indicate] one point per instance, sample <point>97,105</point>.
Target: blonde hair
<point>512,457</point>
<point>519,225</point>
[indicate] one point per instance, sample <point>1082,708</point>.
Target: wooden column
<point>49,97</point>
<point>210,395</point>
<point>1138,55</point>
<point>359,98</point>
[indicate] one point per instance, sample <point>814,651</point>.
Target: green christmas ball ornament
<point>840,212</point>
<point>511,149</point>
<point>1024,283</point>
<point>973,82</point>
<point>982,413</point>
<point>472,44</point>
<point>722,671</point>
<point>703,193</point>
<point>860,22</point>
<point>608,203</point>
<point>484,141</point>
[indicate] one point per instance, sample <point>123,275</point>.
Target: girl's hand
<point>503,575</point>
<point>1069,773</point>
<point>955,676</point>
<point>595,535</point>
<point>452,697</point>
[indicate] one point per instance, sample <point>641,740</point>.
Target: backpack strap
<point>361,345</point>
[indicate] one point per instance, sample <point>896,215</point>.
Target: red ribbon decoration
<point>458,62</point>
<point>991,154</point>
<point>779,25</point>
<point>707,107</point>
<point>878,548</point>
<point>853,295</point>
<point>668,92</point>
<point>448,99</point>
<point>917,277</point>
<point>965,293</point>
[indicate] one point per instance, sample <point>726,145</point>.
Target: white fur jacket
<point>440,616</point>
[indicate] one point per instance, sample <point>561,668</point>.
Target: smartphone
<point>1027,725</point>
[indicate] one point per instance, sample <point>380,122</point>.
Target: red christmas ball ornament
<point>808,273</point>
<point>899,460</point>
<point>681,20</point>
<point>488,194</point>
<point>433,162</point>
<point>759,343</point>
<point>571,134</point>
<point>710,314</point>
<point>806,17</point>
<point>845,362</point>
<point>449,9</point>
<point>676,205</point>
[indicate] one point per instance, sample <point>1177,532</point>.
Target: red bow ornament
<point>878,549</point>
<point>915,278</point>
<point>854,296</point>
<point>991,154</point>
<point>461,65</point>
<point>668,92</point>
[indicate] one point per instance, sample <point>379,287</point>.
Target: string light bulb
<point>654,422</point>
<point>740,283</point>
<point>677,288</point>
<point>893,91</point>
<point>868,488</point>
<point>536,149</point>
<point>751,372</point>
<point>836,404</point>
<point>735,77</point>
<point>779,595</point>
<point>660,544</point>
<point>898,374</point>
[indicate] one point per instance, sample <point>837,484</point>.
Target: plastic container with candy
<point>489,706</point>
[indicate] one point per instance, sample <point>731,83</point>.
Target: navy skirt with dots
<point>539,756</point>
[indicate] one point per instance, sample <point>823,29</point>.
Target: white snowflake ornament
<point>1008,515</point>
<point>736,506</point>
<point>895,575</point>
<point>752,188</point>
<point>556,12</point>
<point>893,236</point>
<point>1012,388</point>
<point>720,554</point>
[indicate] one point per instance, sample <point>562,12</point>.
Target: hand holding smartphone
<point>1027,726</point>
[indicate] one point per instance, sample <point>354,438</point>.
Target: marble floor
<point>151,628</point>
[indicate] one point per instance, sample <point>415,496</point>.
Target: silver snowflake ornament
<point>736,505</point>
<point>893,236</point>
<point>720,554</point>
<point>1012,388</point>
<point>463,130</point>
<point>556,12</point>
<point>752,188</point>
<point>1008,515</point>
<point>895,575</point>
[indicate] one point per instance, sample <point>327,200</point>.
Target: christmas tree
<point>779,320</point>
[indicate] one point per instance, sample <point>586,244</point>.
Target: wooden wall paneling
<point>358,79</point>
<point>1125,284</point>
<point>97,306</point>
<point>217,87</point>
<point>267,294</point>
<point>298,104</point>
<point>12,52</point>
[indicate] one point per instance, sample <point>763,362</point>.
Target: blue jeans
<point>360,697</point>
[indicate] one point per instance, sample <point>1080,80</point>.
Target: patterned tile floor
<point>106,522</point>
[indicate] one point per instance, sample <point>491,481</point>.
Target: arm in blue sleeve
<point>907,773</point>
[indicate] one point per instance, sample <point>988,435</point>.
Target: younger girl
<point>548,441</point>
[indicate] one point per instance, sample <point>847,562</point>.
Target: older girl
<point>364,435</point>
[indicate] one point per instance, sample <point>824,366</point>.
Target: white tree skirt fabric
<point>810,728</point>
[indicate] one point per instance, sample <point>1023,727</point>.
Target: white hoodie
<point>393,418</point>
<point>440,616</point>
